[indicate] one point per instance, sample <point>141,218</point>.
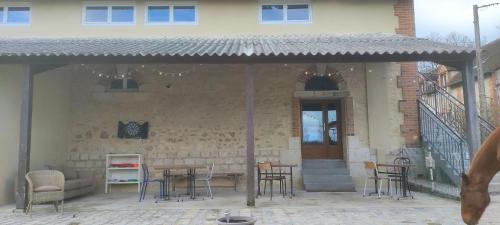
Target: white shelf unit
<point>123,175</point>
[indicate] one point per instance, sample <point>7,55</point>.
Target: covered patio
<point>306,208</point>
<point>253,60</point>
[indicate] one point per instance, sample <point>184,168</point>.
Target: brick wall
<point>404,10</point>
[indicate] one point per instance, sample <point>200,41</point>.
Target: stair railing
<point>447,107</point>
<point>451,147</point>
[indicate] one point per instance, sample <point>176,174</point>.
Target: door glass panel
<point>333,126</point>
<point>312,124</point>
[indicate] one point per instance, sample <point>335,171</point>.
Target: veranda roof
<point>333,46</point>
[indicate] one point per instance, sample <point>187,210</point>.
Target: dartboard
<point>132,129</point>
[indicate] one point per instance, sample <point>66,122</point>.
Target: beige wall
<point>50,119</point>
<point>216,17</point>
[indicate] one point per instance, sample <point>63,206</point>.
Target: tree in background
<point>452,38</point>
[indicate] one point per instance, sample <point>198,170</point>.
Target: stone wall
<point>200,117</point>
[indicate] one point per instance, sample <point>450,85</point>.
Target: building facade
<point>196,112</point>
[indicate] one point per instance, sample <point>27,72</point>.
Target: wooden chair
<point>267,175</point>
<point>372,173</point>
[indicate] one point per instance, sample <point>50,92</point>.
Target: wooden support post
<point>24,136</point>
<point>250,107</point>
<point>471,115</point>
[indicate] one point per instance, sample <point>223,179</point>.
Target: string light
<point>95,70</point>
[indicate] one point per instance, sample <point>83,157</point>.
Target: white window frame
<point>171,5</point>
<point>7,5</point>
<point>109,6</point>
<point>285,5</point>
<point>125,87</point>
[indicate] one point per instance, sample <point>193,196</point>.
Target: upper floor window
<point>285,13</point>
<point>109,14</point>
<point>185,13</point>
<point>15,14</point>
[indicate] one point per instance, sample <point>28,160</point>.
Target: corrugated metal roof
<point>285,45</point>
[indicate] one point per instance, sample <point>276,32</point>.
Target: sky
<point>446,16</point>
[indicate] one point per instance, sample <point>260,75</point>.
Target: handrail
<point>447,107</point>
<point>443,141</point>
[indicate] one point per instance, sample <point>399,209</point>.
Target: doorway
<point>321,130</point>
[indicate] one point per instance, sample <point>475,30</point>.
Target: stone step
<point>495,184</point>
<point>316,171</point>
<point>496,179</point>
<point>329,187</point>
<point>494,188</point>
<point>326,175</point>
<point>323,163</point>
<point>327,179</point>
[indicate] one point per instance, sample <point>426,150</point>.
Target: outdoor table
<point>191,178</point>
<point>278,165</point>
<point>404,175</point>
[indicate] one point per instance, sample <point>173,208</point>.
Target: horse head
<point>474,200</point>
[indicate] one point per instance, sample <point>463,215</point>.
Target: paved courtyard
<point>305,208</point>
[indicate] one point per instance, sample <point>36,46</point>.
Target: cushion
<point>47,188</point>
<point>72,184</point>
<point>69,173</point>
<point>77,184</point>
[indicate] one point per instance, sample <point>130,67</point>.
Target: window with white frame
<point>123,84</point>
<point>171,13</point>
<point>285,13</point>
<point>16,14</point>
<point>96,14</point>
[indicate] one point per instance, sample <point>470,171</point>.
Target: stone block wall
<point>200,117</point>
<point>194,119</point>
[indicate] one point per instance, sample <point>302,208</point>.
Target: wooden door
<point>321,130</point>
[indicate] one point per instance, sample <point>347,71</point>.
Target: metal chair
<point>372,173</point>
<point>397,176</point>
<point>266,169</point>
<point>207,178</point>
<point>146,180</point>
<point>45,186</point>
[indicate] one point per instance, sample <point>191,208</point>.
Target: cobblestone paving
<point>306,208</point>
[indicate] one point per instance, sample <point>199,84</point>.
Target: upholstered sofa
<point>77,183</point>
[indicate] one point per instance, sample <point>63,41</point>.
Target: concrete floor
<point>305,208</point>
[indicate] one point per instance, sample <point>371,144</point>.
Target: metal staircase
<point>443,129</point>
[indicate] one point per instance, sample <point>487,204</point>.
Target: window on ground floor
<point>321,83</point>
<point>124,84</point>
